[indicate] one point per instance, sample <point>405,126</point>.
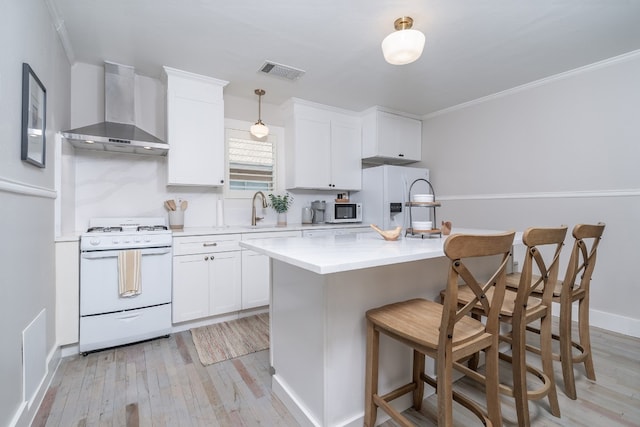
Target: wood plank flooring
<point>162,383</point>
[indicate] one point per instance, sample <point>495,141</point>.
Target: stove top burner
<point>152,227</point>
<point>103,229</point>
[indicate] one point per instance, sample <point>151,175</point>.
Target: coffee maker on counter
<point>318,207</point>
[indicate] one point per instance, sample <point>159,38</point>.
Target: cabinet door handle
<point>400,155</point>
<point>209,244</point>
<point>206,258</point>
<point>211,258</point>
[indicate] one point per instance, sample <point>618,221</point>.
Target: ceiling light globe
<point>403,47</point>
<point>259,130</point>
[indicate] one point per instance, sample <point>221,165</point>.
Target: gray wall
<point>560,151</point>
<point>27,198</point>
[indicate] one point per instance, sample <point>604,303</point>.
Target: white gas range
<point>125,281</point>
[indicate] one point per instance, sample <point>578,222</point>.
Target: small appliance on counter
<point>318,207</point>
<point>307,215</point>
<point>341,212</point>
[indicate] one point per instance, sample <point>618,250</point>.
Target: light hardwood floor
<point>162,383</point>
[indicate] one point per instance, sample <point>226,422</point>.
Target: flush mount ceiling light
<point>259,130</point>
<point>404,45</point>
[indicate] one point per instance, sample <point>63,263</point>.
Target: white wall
<point>108,184</point>
<point>27,199</point>
<point>559,151</point>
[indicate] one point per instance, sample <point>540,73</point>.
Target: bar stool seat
<point>443,332</point>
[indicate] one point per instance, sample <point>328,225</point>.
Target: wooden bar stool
<point>443,332</point>
<point>574,287</point>
<point>519,309</point>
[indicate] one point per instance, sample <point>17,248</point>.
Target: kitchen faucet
<point>254,218</point>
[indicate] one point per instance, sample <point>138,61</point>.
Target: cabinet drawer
<point>206,244</point>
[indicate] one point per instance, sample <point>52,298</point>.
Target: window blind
<point>251,164</point>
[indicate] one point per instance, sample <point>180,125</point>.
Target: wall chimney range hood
<point>118,133</point>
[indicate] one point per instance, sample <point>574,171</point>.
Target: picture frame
<point>34,118</point>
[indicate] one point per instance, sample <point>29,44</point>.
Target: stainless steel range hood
<point>118,133</point>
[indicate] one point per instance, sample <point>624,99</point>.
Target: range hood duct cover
<point>118,133</point>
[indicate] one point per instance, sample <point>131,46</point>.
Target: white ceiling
<point>474,47</point>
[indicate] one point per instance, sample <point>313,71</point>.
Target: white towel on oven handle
<point>129,273</point>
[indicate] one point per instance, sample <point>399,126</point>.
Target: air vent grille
<point>279,70</point>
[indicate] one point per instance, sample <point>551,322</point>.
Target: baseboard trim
<point>281,389</point>
<point>26,414</point>
<point>607,321</point>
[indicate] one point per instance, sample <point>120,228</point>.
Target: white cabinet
<point>256,271</point>
<point>67,292</point>
<point>255,279</point>
<point>390,138</point>
<point>190,287</point>
<point>323,147</point>
<point>195,129</point>
<point>206,276</point>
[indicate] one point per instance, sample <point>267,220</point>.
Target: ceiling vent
<point>282,71</point>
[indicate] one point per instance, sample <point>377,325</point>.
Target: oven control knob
<point>125,240</point>
<point>136,239</point>
<point>115,241</point>
<point>94,242</point>
<point>147,239</point>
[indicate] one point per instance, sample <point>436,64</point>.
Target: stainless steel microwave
<point>336,213</point>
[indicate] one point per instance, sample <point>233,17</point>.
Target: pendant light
<point>404,45</point>
<point>259,130</point>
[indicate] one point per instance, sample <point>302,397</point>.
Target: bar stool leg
<point>418,369</point>
<point>519,369</point>
<point>546,352</point>
<point>585,339</point>
<point>371,375</point>
<point>444,389</point>
<point>566,356</point>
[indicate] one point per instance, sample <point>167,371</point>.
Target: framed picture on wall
<point>34,114</point>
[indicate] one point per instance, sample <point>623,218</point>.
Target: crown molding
<point>587,68</point>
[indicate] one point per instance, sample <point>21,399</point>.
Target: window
<point>251,164</point>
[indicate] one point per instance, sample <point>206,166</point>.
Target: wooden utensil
<point>170,204</point>
<point>183,205</point>
<point>388,234</point>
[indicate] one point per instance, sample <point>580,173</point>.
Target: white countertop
<point>235,229</point>
<point>325,255</point>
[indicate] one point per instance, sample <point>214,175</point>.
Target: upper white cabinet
<point>390,138</point>
<point>323,147</point>
<point>195,129</point>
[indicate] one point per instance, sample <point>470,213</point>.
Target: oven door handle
<point>114,254</point>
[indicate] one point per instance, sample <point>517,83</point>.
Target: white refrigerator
<point>385,189</point>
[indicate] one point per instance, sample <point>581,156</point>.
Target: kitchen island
<point>320,291</point>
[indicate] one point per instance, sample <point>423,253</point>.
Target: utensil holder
<point>176,220</point>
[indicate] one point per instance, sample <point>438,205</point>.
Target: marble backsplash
<point>122,185</point>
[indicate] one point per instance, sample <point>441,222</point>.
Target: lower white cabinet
<point>212,275</point>
<point>256,271</point>
<point>67,292</point>
<point>255,279</point>
<point>209,282</point>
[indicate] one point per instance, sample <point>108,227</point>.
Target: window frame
<point>276,137</point>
